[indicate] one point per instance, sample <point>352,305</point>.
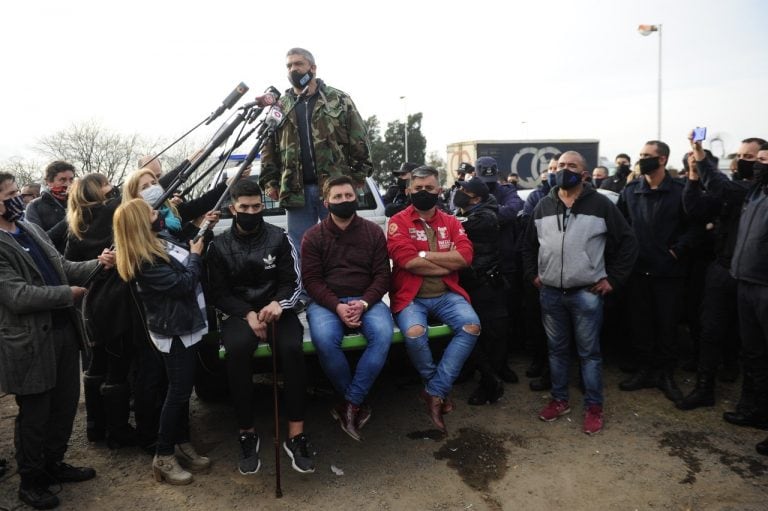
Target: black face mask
<point>249,222</point>
<point>745,169</point>
<point>423,200</point>
<point>113,193</point>
<point>622,170</point>
<point>760,171</point>
<point>343,210</point>
<point>648,165</point>
<point>598,181</point>
<point>402,184</point>
<point>300,80</point>
<point>461,199</point>
<point>14,208</point>
<point>567,179</point>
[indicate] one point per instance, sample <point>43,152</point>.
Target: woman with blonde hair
<point>174,213</point>
<point>168,281</point>
<point>110,325</point>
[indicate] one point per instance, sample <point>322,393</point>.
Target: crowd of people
<point>548,272</point>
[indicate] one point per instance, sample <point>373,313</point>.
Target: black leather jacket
<point>481,224</point>
<point>50,214</point>
<point>169,293</point>
<point>247,272</point>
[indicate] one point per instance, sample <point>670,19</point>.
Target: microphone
<point>269,98</point>
<point>228,102</point>
<point>273,120</point>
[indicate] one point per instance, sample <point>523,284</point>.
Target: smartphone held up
<point>699,134</point>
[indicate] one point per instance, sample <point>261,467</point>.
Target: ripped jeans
<point>453,310</point>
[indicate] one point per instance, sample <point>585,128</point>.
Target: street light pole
<point>405,127</point>
<point>646,30</point>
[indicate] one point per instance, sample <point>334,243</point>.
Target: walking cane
<point>278,489</point>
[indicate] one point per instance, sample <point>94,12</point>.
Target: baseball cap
<point>476,186</point>
<point>487,169</point>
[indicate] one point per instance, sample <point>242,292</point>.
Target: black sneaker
<point>249,453</point>
<point>301,452</point>
<point>60,472</point>
<point>36,494</point>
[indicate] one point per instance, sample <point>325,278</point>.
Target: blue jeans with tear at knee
<point>456,312</point>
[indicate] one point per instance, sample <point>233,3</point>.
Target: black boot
<point>34,492</point>
<point>95,420</point>
<point>666,383</point>
<point>542,383</point>
<point>535,369</point>
<point>703,394</point>
<point>117,406</point>
<point>749,411</point>
<point>644,378</point>
<point>490,390</point>
<point>762,447</point>
<point>508,375</point>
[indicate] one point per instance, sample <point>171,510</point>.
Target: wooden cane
<point>278,489</point>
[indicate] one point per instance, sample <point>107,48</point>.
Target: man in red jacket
<point>345,269</point>
<point>428,247</point>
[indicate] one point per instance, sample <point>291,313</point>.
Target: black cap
<point>476,186</point>
<point>406,167</point>
<point>466,168</point>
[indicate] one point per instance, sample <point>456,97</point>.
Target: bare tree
<point>92,148</point>
<point>25,171</point>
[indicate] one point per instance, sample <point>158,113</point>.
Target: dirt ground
<point>500,457</point>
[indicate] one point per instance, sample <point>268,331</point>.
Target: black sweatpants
<point>44,423</point>
<point>240,343</point>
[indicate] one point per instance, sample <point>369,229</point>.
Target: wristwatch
<point>423,254</point>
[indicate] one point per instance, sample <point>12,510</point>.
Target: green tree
<point>387,152</point>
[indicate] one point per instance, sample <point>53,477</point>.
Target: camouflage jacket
<point>340,141</point>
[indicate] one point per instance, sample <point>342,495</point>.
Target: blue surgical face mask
<point>152,194</point>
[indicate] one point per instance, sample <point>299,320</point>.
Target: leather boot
<point>34,492</point>
<point>748,411</point>
<point>535,369</point>
<point>703,394</point>
<point>117,407</point>
<point>542,383</point>
<point>347,415</point>
<point>95,420</point>
<point>762,447</point>
<point>166,468</point>
<point>642,379</point>
<point>434,406</point>
<point>189,459</point>
<point>508,375</point>
<point>666,383</point>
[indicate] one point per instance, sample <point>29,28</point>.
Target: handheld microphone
<point>269,98</point>
<point>273,120</point>
<point>228,102</point>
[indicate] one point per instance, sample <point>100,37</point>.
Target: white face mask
<point>152,194</point>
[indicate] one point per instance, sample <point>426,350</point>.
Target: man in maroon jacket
<point>345,269</point>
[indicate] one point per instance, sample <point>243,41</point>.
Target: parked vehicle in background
<point>527,158</point>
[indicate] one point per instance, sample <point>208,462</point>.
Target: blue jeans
<point>578,313</point>
<point>327,330</point>
<point>301,219</point>
<point>453,310</point>
<point>180,365</point>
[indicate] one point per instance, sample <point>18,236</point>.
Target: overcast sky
<point>477,70</point>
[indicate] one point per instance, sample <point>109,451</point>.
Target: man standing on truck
<point>254,279</point>
<point>345,269</point>
<point>322,136</point>
<point>428,247</point>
